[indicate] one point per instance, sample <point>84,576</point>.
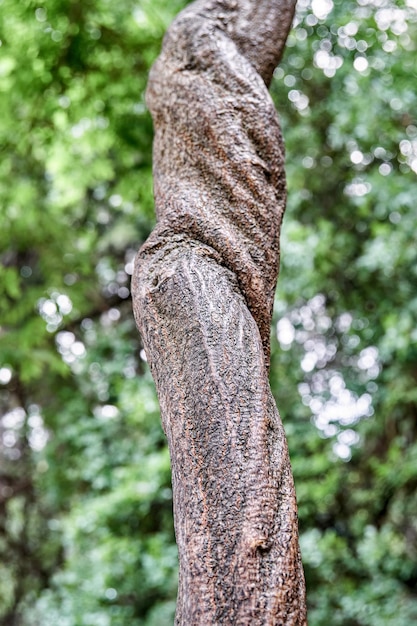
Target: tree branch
<point>203,291</point>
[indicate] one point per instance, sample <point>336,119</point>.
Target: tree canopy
<point>85,498</point>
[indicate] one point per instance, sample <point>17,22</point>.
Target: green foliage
<point>86,535</point>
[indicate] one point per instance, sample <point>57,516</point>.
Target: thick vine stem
<point>203,291</point>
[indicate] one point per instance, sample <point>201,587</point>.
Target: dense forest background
<point>86,535</point>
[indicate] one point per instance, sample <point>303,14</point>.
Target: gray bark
<point>203,291</point>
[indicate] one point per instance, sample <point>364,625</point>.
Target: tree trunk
<point>203,291</point>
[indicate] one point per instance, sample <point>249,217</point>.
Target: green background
<point>86,535</point>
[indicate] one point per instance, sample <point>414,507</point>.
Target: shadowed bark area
<point>203,291</point>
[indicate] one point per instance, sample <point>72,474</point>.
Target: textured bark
<point>203,291</point>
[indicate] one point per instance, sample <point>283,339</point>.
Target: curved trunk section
<point>203,291</point>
